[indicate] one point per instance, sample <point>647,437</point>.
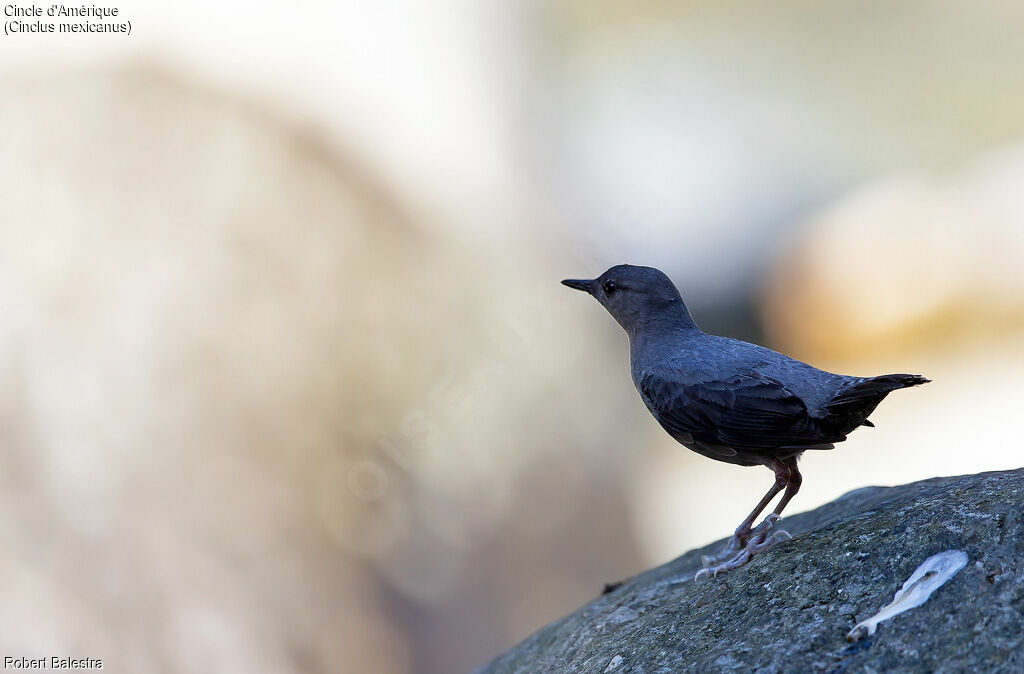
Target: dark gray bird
<point>729,400</point>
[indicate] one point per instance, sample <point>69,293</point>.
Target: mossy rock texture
<point>790,608</point>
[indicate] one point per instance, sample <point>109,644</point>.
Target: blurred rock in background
<point>287,380</point>
<point>908,261</point>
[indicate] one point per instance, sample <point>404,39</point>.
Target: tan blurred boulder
<point>906,260</point>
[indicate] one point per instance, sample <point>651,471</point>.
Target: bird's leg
<point>792,485</point>
<point>789,472</point>
<point>758,539</point>
<point>786,470</point>
<point>743,532</point>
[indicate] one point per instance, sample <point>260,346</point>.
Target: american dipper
<point>729,400</point>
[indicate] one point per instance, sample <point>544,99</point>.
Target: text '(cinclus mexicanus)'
<point>730,400</point>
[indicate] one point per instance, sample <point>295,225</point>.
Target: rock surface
<point>790,608</point>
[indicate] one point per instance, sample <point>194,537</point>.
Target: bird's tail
<point>851,406</point>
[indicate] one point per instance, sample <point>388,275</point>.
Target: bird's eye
<point>609,287</point>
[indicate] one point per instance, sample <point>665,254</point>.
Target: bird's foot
<point>744,555</point>
<point>734,545</point>
<point>759,541</point>
<point>739,540</point>
<point>760,532</point>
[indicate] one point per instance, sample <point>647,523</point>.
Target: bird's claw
<point>731,548</point>
<point>758,541</point>
<point>760,532</point>
<point>740,540</point>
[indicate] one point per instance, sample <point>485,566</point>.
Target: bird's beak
<point>580,284</point>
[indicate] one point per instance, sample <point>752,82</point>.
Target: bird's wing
<point>748,411</point>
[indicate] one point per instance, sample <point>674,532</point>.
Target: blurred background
<point>287,379</point>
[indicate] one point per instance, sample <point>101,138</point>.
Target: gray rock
<point>790,608</point>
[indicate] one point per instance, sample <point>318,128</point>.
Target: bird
<point>731,400</point>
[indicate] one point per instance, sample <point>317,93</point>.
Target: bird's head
<point>637,297</point>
